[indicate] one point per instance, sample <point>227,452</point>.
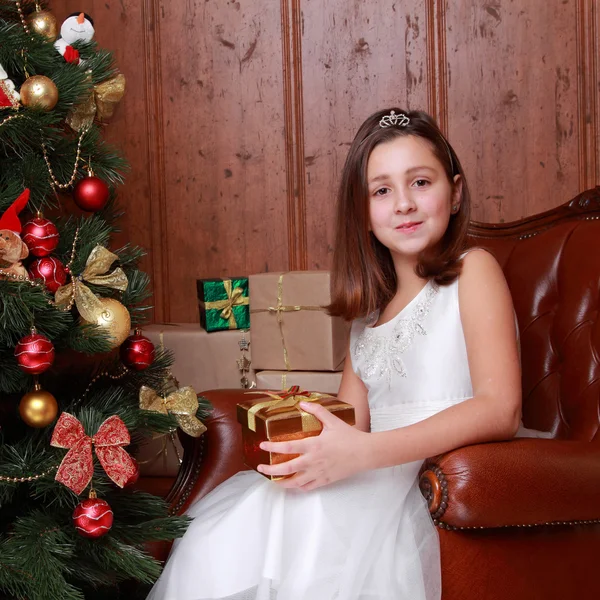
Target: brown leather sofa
<point>517,519</point>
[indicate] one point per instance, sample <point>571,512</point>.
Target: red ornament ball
<point>50,270</point>
<point>40,236</point>
<point>93,517</point>
<point>137,351</point>
<point>91,194</point>
<point>34,353</point>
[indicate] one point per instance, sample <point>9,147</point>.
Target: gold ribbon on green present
<point>235,297</point>
<point>278,310</point>
<point>287,399</point>
<point>182,403</point>
<point>88,304</point>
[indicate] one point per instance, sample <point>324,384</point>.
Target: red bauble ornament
<point>93,517</point>
<point>34,353</point>
<point>91,194</point>
<point>50,270</point>
<point>137,351</point>
<point>40,235</point>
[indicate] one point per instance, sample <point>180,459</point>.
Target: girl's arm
<point>353,391</point>
<point>492,414</point>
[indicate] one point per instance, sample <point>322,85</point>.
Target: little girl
<point>432,365</point>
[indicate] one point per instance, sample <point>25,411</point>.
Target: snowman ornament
<point>77,27</point>
<point>9,97</point>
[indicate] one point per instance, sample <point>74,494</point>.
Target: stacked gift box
<point>294,342</point>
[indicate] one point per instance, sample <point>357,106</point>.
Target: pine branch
<point>41,550</point>
<point>22,306</point>
<point>126,560</point>
<point>12,378</point>
<point>155,530</point>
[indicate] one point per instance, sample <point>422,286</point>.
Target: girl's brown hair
<point>363,277</point>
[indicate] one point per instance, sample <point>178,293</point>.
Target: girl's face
<point>410,197</point>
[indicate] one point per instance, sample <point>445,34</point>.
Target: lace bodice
<point>417,362</point>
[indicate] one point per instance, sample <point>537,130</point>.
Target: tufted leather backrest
<point>552,265</point>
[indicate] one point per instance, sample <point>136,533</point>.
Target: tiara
<point>400,120</point>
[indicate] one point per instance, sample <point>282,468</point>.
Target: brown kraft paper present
<point>322,381</point>
<point>206,361</point>
<point>290,329</point>
<point>276,417</point>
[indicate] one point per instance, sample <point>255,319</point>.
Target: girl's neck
<point>405,271</point>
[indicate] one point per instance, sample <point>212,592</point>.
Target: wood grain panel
<point>291,46</point>
<point>513,98</point>
<point>238,116</point>
<point>587,87</point>
<point>120,28</point>
<point>437,65</point>
<point>224,144</point>
<point>357,57</point>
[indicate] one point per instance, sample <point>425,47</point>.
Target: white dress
<point>369,537</point>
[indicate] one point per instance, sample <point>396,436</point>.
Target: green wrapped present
<point>224,303</point>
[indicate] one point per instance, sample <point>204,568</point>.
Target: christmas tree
<point>72,378</point>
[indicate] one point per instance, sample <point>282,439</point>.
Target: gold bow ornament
<point>182,403</point>
<point>99,104</point>
<point>88,304</point>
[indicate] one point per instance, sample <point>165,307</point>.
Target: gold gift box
<point>277,417</point>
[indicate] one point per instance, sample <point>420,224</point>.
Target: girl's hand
<point>338,452</point>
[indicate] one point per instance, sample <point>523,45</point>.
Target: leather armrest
<point>213,457</point>
<point>522,482</point>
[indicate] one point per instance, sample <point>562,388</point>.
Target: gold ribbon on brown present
<point>287,399</point>
<point>182,403</point>
<point>235,297</point>
<point>278,310</point>
<point>88,304</point>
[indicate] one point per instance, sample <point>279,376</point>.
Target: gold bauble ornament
<point>38,408</point>
<point>113,318</point>
<point>39,92</point>
<point>44,23</point>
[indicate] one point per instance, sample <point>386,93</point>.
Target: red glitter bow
<point>77,467</point>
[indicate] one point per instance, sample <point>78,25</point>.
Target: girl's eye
<point>381,192</point>
<point>421,182</point>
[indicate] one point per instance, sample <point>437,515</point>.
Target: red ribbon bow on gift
<point>77,467</point>
<point>293,391</point>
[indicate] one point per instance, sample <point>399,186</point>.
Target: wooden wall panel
<point>224,144</point>
<point>238,116</point>
<point>356,58</point>
<point>512,103</point>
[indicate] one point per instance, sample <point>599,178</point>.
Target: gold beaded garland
<point>29,478</point>
<point>22,16</point>
<point>55,182</point>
